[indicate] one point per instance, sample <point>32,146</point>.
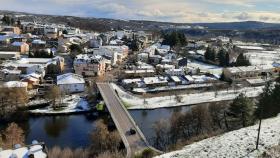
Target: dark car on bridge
<point>132,131</point>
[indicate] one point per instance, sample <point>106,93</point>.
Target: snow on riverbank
<point>74,104</point>
<point>235,144</point>
<point>134,102</point>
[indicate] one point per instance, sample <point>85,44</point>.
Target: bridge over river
<point>135,143</point>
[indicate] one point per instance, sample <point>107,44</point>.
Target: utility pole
<point>260,123</point>
<point>259,131</point>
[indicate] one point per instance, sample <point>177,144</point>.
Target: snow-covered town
<point>95,87</point>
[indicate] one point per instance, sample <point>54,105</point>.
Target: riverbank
<point>135,102</point>
<point>72,104</point>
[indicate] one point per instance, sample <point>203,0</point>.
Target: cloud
<point>244,3</point>
<point>243,16</point>
<point>160,10</point>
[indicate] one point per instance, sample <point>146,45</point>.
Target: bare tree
<point>103,140</point>
<point>11,99</point>
<point>57,152</point>
<point>54,152</point>
<point>67,153</point>
<point>216,111</point>
<point>161,135</point>
<point>108,154</point>
<point>201,118</point>
<point>13,134</point>
<point>55,96</point>
<point>81,153</point>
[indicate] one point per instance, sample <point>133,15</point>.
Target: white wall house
<point>71,83</point>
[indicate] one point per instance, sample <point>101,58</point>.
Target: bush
<point>146,153</point>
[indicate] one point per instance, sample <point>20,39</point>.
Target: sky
<point>182,11</point>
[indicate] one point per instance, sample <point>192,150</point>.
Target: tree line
<point>269,102</point>
<point>203,121</point>
<point>11,99</point>
<point>223,58</point>
<point>9,20</point>
<point>175,38</point>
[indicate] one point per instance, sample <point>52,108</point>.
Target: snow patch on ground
<point>134,102</point>
<point>235,144</point>
<point>74,104</point>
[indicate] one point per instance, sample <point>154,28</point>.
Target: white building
<point>71,83</point>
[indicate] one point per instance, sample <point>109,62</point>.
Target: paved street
<point>134,143</point>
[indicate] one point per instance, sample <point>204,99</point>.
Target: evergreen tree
<point>227,59</point>
<point>207,53</point>
<point>242,108</point>
<point>221,57</point>
<point>265,107</point>
<point>174,38</point>
<point>212,55</point>
<point>242,60</point>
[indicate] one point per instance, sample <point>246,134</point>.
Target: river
<point>74,130</point>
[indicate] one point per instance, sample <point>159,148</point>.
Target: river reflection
<point>146,119</point>
<point>72,131</point>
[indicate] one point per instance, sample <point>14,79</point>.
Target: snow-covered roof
<point>256,81</point>
<point>201,52</point>
<point>129,81</point>
<point>166,66</point>
<point>37,60</point>
<point>175,78</point>
<point>38,41</point>
<point>138,71</point>
<point>15,84</point>
<point>70,78</point>
<point>4,37</point>
<point>18,44</point>
<point>249,68</point>
<point>23,152</point>
<point>11,71</point>
<point>154,80</point>
<point>167,47</point>
<point>9,53</point>
<point>189,78</point>
<point>251,47</point>
<point>87,58</point>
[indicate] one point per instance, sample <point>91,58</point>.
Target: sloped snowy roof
<point>70,78</point>
<point>15,84</point>
<point>23,152</point>
<point>18,44</point>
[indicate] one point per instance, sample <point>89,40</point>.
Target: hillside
<point>235,144</point>
<point>101,24</point>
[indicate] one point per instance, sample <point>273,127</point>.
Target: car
<point>132,131</point>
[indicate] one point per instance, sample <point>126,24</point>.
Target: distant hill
<point>246,25</point>
<point>102,24</point>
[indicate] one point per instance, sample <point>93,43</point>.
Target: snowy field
<point>235,144</point>
<point>134,102</point>
<point>74,104</point>
<point>205,67</point>
<point>263,57</point>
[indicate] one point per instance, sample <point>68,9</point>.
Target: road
<point>123,121</point>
